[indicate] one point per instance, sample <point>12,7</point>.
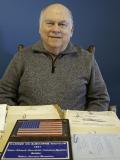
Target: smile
<point>54,37</point>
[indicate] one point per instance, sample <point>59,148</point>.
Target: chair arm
<point>112,108</point>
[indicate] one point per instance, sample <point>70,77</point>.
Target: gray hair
<point>42,11</point>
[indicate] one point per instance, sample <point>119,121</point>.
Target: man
<point>54,71</point>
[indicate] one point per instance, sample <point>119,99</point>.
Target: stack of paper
<point>93,122</point>
<point>95,135</point>
<point>33,112</point>
<point>3,111</point>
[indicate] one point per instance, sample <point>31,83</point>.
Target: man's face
<point>56,28</point>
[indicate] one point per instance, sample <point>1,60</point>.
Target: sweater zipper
<point>53,62</point>
<point>53,59</point>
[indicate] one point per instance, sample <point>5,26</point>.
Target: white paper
<point>96,147</point>
<point>107,118</point>
<point>93,122</point>
<point>33,112</point>
<point>2,116</point>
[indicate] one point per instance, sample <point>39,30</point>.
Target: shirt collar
<point>39,48</point>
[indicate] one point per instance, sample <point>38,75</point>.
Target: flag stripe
<point>37,127</point>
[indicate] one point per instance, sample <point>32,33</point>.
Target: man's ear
<point>39,30</point>
<point>72,30</point>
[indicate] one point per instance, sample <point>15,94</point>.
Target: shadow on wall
<point>5,56</point>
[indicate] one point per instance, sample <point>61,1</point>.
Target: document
<point>34,112</point>
<point>3,112</point>
<point>93,122</point>
<point>96,147</point>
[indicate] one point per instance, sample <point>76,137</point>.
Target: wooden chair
<point>20,47</point>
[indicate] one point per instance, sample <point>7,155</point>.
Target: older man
<point>54,71</point>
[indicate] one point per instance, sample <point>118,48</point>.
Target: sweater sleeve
<point>9,84</point>
<point>97,96</point>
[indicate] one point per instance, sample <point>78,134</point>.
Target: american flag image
<point>40,128</point>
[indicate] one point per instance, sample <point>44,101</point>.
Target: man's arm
<point>97,97</point>
<point>9,84</point>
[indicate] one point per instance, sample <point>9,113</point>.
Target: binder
<point>41,139</point>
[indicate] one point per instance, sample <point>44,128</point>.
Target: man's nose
<point>56,28</point>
